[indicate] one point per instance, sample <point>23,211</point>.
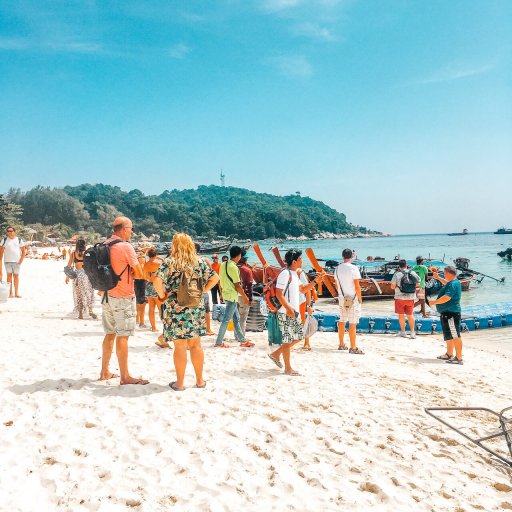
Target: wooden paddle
<point>318,268</point>
<point>258,252</point>
<point>277,256</point>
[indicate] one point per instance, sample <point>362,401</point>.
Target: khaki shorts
<point>420,293</point>
<point>119,316</point>
<point>352,314</point>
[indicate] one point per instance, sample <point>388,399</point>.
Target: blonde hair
<point>183,252</point>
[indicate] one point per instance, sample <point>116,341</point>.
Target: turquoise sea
<point>480,248</point>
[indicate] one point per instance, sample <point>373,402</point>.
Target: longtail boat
<point>376,276</point>
<point>266,272</point>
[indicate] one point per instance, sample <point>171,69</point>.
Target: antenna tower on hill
<point>222,179</point>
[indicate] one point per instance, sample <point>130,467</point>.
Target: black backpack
<point>98,267</point>
<point>408,282</point>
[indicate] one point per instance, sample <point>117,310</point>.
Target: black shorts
<point>140,291</point>
<point>450,322</point>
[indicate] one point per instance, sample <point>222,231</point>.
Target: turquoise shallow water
<point>480,248</point>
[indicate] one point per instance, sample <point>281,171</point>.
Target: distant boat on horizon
<point>464,232</point>
<point>503,231</point>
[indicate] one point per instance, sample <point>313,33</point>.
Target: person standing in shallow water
<point>184,325</point>
<point>83,292</point>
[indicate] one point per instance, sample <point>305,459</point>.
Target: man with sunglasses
<point>12,251</point>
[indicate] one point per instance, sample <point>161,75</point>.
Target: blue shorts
<point>12,268</point>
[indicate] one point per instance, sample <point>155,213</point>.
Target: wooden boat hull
<point>261,275</point>
<point>381,288</point>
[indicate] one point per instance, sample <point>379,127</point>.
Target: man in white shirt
<point>288,289</point>
<point>12,252</point>
<point>346,277</point>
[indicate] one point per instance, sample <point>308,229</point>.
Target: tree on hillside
<point>10,214</point>
<point>53,206</point>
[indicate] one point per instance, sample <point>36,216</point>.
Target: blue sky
<point>397,113</point>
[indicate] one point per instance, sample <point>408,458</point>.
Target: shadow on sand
<point>112,388</point>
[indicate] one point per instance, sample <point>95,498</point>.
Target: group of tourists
<point>177,290</point>
<point>409,288</point>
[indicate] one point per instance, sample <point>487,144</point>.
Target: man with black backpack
<point>112,268</point>
<point>404,283</point>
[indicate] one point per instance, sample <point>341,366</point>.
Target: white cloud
<point>51,46</point>
<point>314,31</point>
<point>279,5</point>
<point>455,72</point>
<point>179,51</point>
<point>75,47</point>
<point>13,44</point>
<point>293,66</point>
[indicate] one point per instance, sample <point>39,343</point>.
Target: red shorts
<point>404,307</point>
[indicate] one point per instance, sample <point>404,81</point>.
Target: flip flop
<point>221,345</point>
<point>247,344</point>
<point>201,387</point>
<point>142,382</point>
<point>356,351</point>
<point>306,348</point>
<point>162,346</point>
<point>94,316</point>
<point>293,373</point>
<point>275,361</point>
<point>172,385</point>
<point>343,347</point>
<point>444,357</point>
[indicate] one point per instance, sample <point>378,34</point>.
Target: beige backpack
<point>190,291</point>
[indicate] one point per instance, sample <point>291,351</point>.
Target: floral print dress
<point>181,323</point>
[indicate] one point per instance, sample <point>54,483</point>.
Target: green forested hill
<point>206,211</point>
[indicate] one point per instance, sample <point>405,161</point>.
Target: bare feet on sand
<point>131,380</point>
<point>108,376</point>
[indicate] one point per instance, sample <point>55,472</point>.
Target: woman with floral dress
<point>184,325</point>
<point>83,293</point>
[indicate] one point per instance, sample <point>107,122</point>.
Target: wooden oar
<point>258,252</point>
<point>318,268</point>
<point>277,256</point>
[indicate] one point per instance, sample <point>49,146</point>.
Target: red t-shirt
<point>246,277</point>
<point>121,255</point>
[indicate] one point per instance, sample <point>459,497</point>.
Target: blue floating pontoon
<point>474,318</point>
<point>483,316</point>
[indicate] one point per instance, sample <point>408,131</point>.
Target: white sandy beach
<point>349,434</point>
